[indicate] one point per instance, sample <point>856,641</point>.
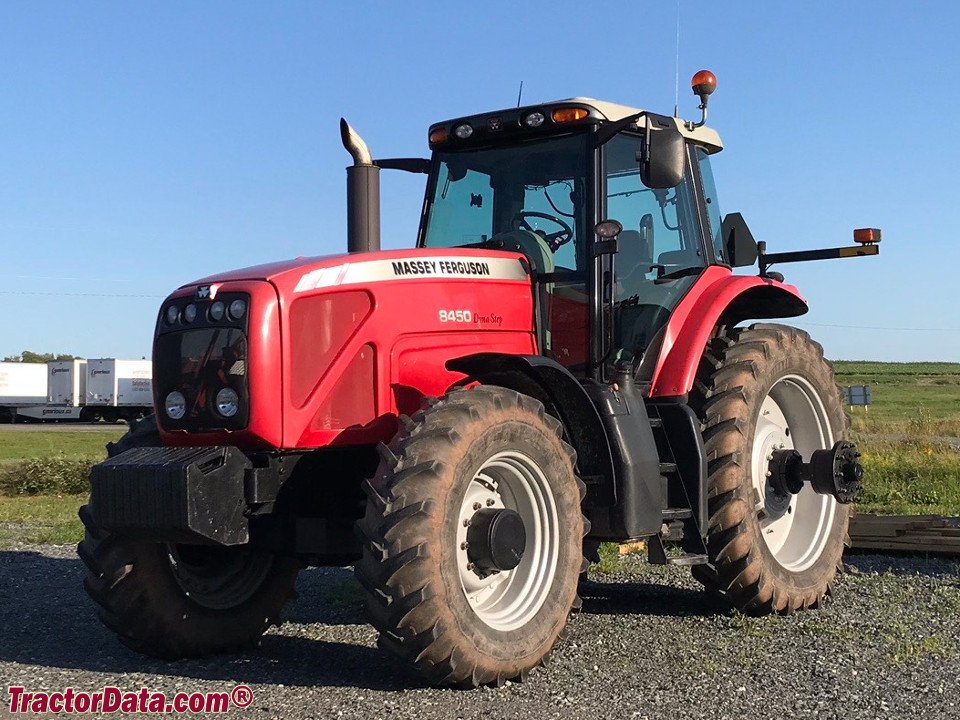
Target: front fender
<point>719,297</point>
<point>564,397</point>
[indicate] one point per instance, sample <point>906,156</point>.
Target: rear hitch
<point>836,472</point>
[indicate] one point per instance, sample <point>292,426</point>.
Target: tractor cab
<point>539,180</point>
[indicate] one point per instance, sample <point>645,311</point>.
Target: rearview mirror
<point>661,166</point>
<point>738,242</point>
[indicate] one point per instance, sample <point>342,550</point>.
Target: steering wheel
<point>554,239</point>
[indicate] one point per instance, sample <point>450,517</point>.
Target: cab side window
<point>713,206</point>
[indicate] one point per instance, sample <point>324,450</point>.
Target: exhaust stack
<point>363,194</point>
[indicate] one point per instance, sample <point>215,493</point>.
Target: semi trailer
<point>101,389</point>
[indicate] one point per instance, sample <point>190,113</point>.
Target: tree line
<point>28,356</point>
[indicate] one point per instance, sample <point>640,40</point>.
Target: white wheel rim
<point>509,599</point>
<point>795,528</point>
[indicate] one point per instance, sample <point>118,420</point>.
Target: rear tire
<point>175,601</point>
<point>760,389</point>
<point>485,447</point>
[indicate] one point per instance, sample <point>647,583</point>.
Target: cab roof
<point>510,121</point>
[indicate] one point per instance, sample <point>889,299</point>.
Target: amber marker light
<point>563,115</point>
<point>867,236</point>
<point>704,83</point>
<point>438,135</point>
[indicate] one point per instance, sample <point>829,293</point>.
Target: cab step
<point>676,513</point>
<point>688,559</point>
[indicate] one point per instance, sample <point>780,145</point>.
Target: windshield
<point>529,197</point>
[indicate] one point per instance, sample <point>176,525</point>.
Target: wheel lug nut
<point>464,545</point>
<point>466,523</point>
<point>477,506</point>
<point>769,474</point>
<point>470,566</point>
<point>489,502</point>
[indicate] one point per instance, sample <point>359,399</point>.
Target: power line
<point>871,327</point>
<point>110,295</point>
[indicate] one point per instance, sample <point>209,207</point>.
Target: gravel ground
<point>648,644</point>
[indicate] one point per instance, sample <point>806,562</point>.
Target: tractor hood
<point>443,264</point>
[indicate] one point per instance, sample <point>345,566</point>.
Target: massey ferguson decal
<point>440,267</point>
<point>421,267</point>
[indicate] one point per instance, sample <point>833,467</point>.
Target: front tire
<point>174,601</point>
<point>759,390</point>
<point>439,607</point>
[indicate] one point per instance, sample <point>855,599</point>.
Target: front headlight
<point>228,402</point>
<point>175,405</point>
<point>237,309</point>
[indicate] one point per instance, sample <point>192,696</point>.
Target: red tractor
<point>559,362</point>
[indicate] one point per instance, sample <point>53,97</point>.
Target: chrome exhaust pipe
<point>363,194</point>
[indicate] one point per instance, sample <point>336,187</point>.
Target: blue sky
<point>145,144</point>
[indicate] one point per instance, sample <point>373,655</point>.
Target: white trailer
<point>21,385</point>
<point>118,389</point>
<point>51,413</point>
<point>67,383</point>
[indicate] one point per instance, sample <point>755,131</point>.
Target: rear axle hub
<point>835,472</point>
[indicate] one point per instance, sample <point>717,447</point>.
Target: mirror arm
<point>762,257</point>
<point>411,165</point>
<point>605,132</point>
<point>767,259</point>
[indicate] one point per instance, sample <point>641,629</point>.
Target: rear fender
<point>563,397</point>
<point>718,298</point>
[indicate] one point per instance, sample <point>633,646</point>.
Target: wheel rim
<point>508,599</point>
<point>795,528</point>
<point>218,578</point>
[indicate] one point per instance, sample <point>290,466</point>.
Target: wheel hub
<point>496,539</point>
<point>835,472</point>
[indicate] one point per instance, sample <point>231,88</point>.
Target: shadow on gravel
<point>648,599</point>
<point>331,596</point>
<point>47,619</point>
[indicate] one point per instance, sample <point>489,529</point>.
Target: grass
<point>912,464</point>
<point>609,559</point>
<point>15,446</point>
<point>910,478</point>
<point>917,399</point>
<point>41,519</point>
<point>44,480</point>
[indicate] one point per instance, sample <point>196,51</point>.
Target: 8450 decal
<point>460,316</point>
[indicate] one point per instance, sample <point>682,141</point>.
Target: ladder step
<point>688,559</point>
<point>676,513</point>
<point>667,468</point>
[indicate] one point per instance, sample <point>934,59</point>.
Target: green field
<point>910,436</point>
<point>918,399</point>
<point>43,519</point>
<point>22,445</point>
<point>910,439</point>
<point>42,480</point>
